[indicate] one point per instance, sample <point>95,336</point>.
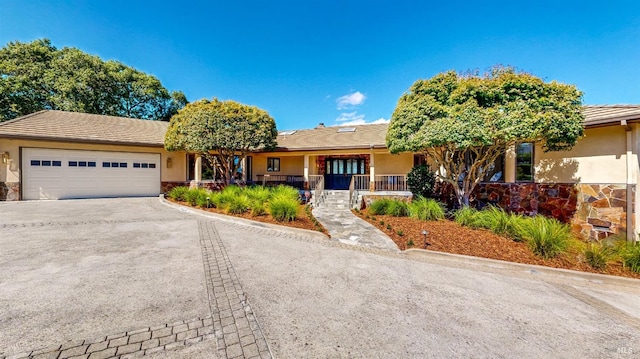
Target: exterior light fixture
<point>169,162</point>
<point>425,233</point>
<point>5,156</point>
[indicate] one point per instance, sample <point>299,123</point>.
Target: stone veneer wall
<point>593,210</point>
<point>9,191</point>
<point>602,210</point>
<point>557,200</point>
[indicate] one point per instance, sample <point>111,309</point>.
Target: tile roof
<point>82,127</point>
<point>363,136</point>
<point>599,115</point>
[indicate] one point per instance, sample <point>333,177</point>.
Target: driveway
<point>111,277</point>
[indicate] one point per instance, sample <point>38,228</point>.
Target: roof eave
<point>75,140</point>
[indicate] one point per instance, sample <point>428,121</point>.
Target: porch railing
<point>318,191</point>
<point>361,182</point>
<point>296,181</point>
<point>391,183</point>
<point>314,179</point>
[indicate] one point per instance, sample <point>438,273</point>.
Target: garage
<point>64,174</point>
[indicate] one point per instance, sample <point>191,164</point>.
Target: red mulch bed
<point>448,236</point>
<point>304,220</point>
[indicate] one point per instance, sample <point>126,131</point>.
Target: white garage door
<point>60,174</point>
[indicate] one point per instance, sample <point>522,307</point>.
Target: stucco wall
<point>599,157</point>
<point>10,172</point>
<point>388,164</point>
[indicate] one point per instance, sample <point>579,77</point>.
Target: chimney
<point>320,125</point>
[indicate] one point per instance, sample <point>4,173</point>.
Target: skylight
<point>287,133</point>
<point>346,129</point>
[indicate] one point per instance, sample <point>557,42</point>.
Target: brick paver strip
<point>230,309</point>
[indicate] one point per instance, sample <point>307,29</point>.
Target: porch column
<point>198,170</point>
<point>372,171</point>
<point>306,172</point>
<point>631,176</point>
<point>243,164</point>
<point>510,164</point>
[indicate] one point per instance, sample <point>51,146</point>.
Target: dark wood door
<point>338,172</point>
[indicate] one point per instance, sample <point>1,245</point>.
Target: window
<point>152,165</point>
<point>46,163</point>
<point>273,164</point>
<point>91,164</point>
<point>136,165</point>
<point>73,163</point>
<point>114,164</point>
<point>495,171</point>
<point>123,164</point>
<point>106,164</point>
<point>57,163</point>
<point>524,162</point>
<point>35,163</point>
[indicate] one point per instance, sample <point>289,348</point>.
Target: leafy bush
<point>545,236</point>
<point>631,257</point>
<point>239,204</point>
<point>426,209</point>
<point>379,206</point>
<point>598,255</point>
<point>421,181</point>
<point>283,208</point>
<point>397,208</point>
<point>177,193</point>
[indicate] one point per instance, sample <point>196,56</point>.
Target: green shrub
<point>379,206</point>
<point>285,191</point>
<point>239,204</point>
<point>177,193</point>
<point>389,226</point>
<point>258,208</point>
<point>397,208</point>
<point>283,208</point>
<point>597,255</point>
<point>222,199</point>
<point>466,216</point>
<point>631,257</point>
<point>501,222</point>
<point>410,243</point>
<point>400,232</point>
<point>258,193</point>
<point>192,195</point>
<point>421,181</point>
<point>202,199</point>
<point>545,236</point>
<point>426,209</point>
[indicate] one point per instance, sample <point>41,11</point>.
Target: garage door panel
<point>87,174</point>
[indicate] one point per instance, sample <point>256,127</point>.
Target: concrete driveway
<point>119,277</point>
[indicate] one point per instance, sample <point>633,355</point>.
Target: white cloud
<point>350,118</point>
<point>354,119</point>
<point>350,100</point>
<point>380,120</point>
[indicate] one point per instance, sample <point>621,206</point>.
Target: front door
<point>338,172</point>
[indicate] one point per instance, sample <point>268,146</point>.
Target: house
<point>56,154</point>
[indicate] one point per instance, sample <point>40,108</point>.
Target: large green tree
<point>465,122</point>
<point>223,132</point>
<point>37,76</point>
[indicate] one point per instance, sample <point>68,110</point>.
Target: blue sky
<point>338,62</point>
